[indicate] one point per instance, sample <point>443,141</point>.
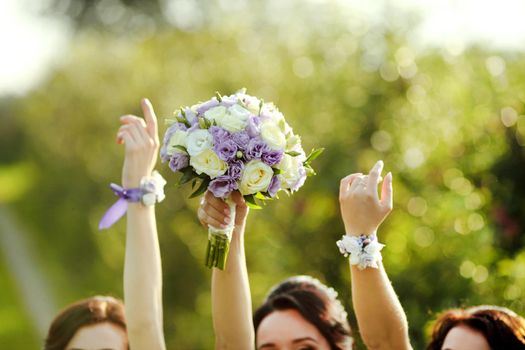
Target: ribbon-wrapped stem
<point>219,242</point>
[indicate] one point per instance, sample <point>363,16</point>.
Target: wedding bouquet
<point>231,143</point>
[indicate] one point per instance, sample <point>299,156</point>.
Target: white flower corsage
<point>364,251</point>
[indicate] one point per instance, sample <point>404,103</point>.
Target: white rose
<point>293,143</point>
<point>273,136</point>
<point>209,163</point>
<point>256,177</point>
<point>290,170</point>
<point>252,104</point>
<point>198,141</point>
<point>235,119</point>
<point>215,113</point>
<point>177,139</point>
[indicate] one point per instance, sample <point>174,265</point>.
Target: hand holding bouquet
<point>235,143</point>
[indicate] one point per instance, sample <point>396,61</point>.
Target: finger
<point>347,181</point>
<point>215,214</point>
<point>357,184</point>
<point>205,219</point>
<point>217,203</point>
<point>126,138</point>
<point>387,198</point>
<point>126,129</point>
<point>238,199</point>
<point>151,118</point>
<point>131,119</point>
<point>373,177</point>
<point>137,131</point>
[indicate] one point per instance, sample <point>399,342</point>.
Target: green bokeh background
<point>449,125</point>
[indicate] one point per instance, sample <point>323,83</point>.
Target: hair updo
<point>317,304</point>
<point>83,313</point>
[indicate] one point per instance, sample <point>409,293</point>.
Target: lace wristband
<point>364,251</point>
<point>151,191</point>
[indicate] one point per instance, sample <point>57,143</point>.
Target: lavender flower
<point>222,186</point>
<point>191,116</point>
<point>253,127</point>
<point>241,139</point>
<point>275,186</point>
<point>301,180</point>
<point>256,148</point>
<point>272,157</point>
<point>167,137</point>
<point>179,161</point>
<point>226,150</point>
<point>207,105</point>
<point>235,169</point>
<point>219,134</point>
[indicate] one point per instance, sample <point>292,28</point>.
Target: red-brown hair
<point>83,313</point>
<point>501,327</point>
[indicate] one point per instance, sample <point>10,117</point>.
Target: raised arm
<point>380,317</point>
<point>142,270</point>
<point>231,299</point>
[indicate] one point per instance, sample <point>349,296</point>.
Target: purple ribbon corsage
<point>151,190</point>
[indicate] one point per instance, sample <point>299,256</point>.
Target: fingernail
<point>223,226</point>
<point>227,220</point>
<point>227,211</point>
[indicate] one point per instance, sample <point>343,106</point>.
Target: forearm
<point>143,279</point>
<point>231,300</point>
<point>380,316</point>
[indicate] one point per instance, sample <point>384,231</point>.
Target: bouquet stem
<point>219,242</point>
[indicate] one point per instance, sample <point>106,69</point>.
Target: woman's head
<point>480,327</point>
<point>304,313</point>
<point>94,323</point>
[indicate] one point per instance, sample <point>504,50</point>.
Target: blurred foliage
<point>449,125</point>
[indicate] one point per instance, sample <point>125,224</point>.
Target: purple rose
<point>207,105</point>
<point>179,161</point>
<point>226,150</point>
<point>256,148</point>
<point>235,169</point>
<point>253,127</point>
<point>219,134</point>
<point>275,186</point>
<point>222,186</point>
<point>272,157</point>
<point>167,136</point>
<point>241,139</point>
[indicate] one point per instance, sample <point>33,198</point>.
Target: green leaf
<point>309,170</point>
<point>202,188</point>
<point>261,104</point>
<point>193,183</point>
<point>276,171</point>
<point>187,175</point>
<point>263,196</point>
<point>314,154</point>
<point>293,153</point>
<point>250,202</point>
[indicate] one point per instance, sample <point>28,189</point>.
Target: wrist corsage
<point>151,191</point>
<point>364,250</point>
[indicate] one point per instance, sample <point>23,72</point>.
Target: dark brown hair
<point>83,313</point>
<point>501,327</point>
<point>318,305</point>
